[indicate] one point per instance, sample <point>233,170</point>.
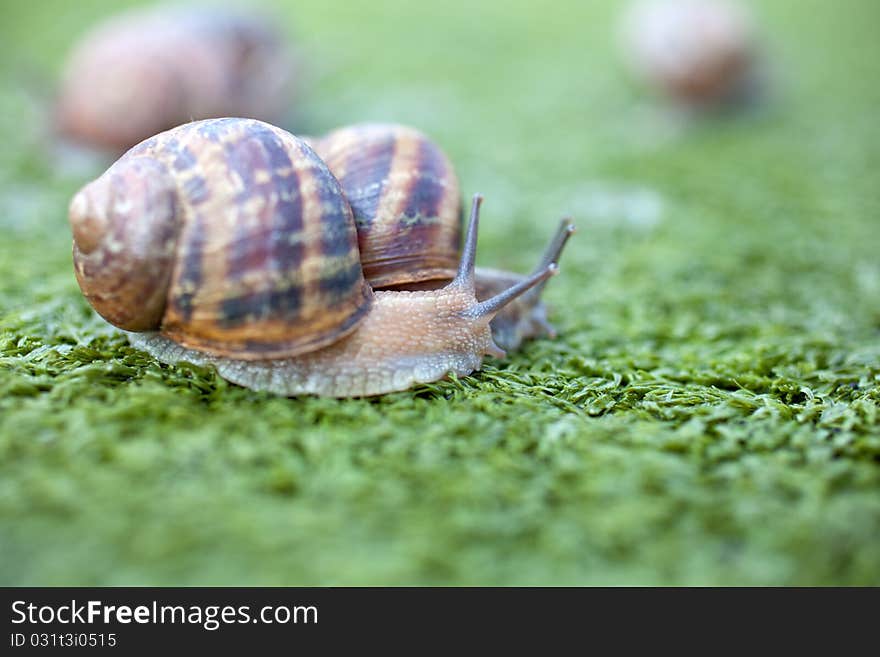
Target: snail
<point>145,71</point>
<point>405,197</point>
<point>701,53</point>
<point>228,242</point>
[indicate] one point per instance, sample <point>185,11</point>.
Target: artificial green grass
<point>708,415</point>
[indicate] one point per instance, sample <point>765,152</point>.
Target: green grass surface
<point>709,414</point>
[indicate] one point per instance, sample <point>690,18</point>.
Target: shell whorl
<point>265,262</point>
<point>124,239</point>
<point>405,198</point>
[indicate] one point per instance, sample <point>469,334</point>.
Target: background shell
<point>159,68</point>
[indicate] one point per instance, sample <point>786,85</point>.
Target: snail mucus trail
<point>228,242</point>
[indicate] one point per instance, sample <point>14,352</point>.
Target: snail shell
<point>405,198</point>
<point>697,52</point>
<point>230,236</point>
<point>145,71</point>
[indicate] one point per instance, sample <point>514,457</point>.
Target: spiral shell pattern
<point>405,198</point>
<point>265,257</point>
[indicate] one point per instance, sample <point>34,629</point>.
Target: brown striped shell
<point>230,236</point>
<point>405,197</point>
<point>145,71</point>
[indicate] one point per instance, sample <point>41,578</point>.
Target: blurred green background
<point>708,415</point>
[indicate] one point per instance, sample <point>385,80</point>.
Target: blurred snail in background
<point>229,242</point>
<point>145,71</point>
<point>405,198</point>
<point>700,53</point>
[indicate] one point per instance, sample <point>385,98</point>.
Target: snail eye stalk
<point>465,276</point>
<point>489,307</point>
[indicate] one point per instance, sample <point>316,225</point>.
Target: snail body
<point>406,338</point>
<point>229,242</point>
<point>405,197</point>
<point>145,71</point>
